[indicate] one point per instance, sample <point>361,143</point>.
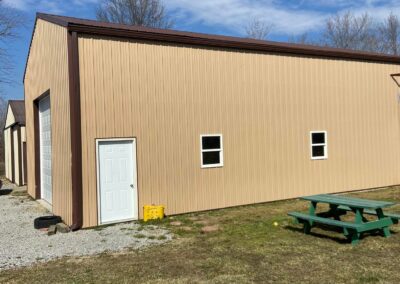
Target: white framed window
<point>211,148</point>
<point>319,145</point>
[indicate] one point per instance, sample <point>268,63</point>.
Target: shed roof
<point>18,109</point>
<point>172,36</point>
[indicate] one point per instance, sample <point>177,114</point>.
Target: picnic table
<point>341,205</point>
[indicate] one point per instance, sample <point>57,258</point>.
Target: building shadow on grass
<point>339,239</point>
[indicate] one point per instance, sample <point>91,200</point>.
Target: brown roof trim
<point>18,108</point>
<point>394,78</point>
<point>14,124</point>
<point>171,36</point>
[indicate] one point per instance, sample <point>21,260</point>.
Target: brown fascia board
<point>172,36</point>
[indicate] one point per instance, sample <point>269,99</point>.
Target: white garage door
<point>117,181</point>
<point>45,149</point>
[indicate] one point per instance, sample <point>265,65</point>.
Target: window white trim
<point>325,145</point>
<point>220,150</point>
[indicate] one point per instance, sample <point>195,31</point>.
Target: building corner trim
<point>75,127</point>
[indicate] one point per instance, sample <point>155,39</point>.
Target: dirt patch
<point>210,229</point>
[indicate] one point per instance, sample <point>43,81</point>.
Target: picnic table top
<point>348,201</point>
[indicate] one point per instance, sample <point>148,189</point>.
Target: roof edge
<point>216,41</point>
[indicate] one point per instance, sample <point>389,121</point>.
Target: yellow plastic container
<point>152,212</point>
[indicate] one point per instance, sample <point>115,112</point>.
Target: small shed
<point>15,142</point>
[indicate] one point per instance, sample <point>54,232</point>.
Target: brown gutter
<point>218,41</point>
<point>75,124</point>
<point>171,36</point>
<point>234,43</point>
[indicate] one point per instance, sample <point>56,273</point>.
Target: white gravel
<point>22,245</point>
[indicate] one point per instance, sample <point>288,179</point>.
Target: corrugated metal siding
<point>48,69</point>
<point>16,156</point>
<point>264,105</point>
<point>7,154</point>
<point>23,139</point>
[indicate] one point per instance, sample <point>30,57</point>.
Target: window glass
<point>318,138</point>
<point>318,151</point>
<point>211,151</point>
<point>211,142</point>
<point>319,146</point>
<point>210,158</point>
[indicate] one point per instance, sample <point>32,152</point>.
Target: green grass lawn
<point>248,248</point>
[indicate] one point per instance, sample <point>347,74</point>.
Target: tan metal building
<point>119,117</point>
<point>15,143</point>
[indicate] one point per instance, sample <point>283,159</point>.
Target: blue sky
<point>228,17</point>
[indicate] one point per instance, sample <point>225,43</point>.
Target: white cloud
<point>17,4</point>
<point>235,14</point>
<point>48,6</point>
<point>288,17</point>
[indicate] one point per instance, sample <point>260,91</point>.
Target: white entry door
<point>116,170</point>
<point>45,149</point>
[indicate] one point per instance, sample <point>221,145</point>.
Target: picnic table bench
<point>341,205</point>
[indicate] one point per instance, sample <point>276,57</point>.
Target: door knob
<point>131,185</point>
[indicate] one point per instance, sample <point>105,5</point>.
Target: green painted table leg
<point>385,230</point>
<point>359,215</point>
<point>307,228</point>
<point>311,211</point>
<point>333,212</point>
<point>355,238</point>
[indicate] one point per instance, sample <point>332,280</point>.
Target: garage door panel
<point>45,149</point>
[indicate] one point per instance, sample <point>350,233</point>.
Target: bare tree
<point>149,13</point>
<point>301,39</point>
<point>9,21</point>
<point>350,32</point>
<point>389,35</point>
<point>258,29</point>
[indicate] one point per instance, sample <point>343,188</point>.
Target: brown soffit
<point>172,36</point>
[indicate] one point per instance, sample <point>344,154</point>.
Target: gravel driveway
<point>22,245</point>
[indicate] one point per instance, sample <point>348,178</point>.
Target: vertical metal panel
<point>14,131</point>
<point>23,139</point>
<point>7,153</point>
<point>47,69</point>
<point>10,119</point>
<point>264,105</point>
